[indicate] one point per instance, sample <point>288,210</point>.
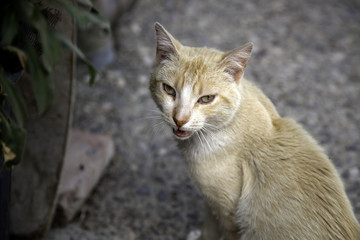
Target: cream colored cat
<point>263,176</point>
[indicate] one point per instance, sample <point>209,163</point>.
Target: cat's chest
<point>219,179</point>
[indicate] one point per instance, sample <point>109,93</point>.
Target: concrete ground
<point>306,59</point>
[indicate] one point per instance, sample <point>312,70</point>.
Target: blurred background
<point>306,59</point>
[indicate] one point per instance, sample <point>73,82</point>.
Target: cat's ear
<point>166,45</point>
<point>234,62</point>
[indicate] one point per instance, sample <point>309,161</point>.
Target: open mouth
<point>182,134</point>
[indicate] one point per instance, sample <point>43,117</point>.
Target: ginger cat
<point>263,176</point>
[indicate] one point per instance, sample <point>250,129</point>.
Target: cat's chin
<point>182,135</point>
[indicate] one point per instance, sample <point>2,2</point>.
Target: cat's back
<point>297,188</point>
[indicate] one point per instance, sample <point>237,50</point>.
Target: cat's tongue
<point>181,134</point>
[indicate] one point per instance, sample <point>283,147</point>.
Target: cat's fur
<point>263,176</point>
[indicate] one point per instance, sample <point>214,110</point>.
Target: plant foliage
<point>29,42</point>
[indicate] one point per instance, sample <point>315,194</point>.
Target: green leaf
<point>9,28</point>
<point>49,46</point>
<point>14,97</point>
<point>87,3</point>
<point>12,141</point>
<point>83,17</point>
<point>42,85</point>
<point>79,54</point>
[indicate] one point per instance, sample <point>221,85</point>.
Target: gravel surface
<point>306,59</point>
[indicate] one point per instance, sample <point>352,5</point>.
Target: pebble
<point>354,174</point>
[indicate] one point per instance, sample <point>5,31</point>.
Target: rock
<point>87,157</point>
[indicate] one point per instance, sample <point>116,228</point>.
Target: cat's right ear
<point>166,45</point>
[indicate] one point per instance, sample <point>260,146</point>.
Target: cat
<point>262,176</point>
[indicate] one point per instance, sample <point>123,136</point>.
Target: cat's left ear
<point>234,62</point>
<point>166,45</point>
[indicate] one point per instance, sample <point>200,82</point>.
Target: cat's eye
<point>206,99</point>
<point>169,90</point>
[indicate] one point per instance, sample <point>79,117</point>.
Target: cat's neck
<point>250,125</point>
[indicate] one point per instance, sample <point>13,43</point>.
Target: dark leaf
<point>83,17</point>
<point>87,3</point>
<point>9,28</point>
<point>79,54</point>
<point>50,48</point>
<point>14,98</point>
<point>42,85</point>
<point>12,141</point>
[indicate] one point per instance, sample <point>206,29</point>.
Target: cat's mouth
<point>182,134</point>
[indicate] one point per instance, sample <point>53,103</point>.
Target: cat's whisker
<point>159,124</point>
<point>149,117</point>
<point>211,126</point>
<point>152,114</point>
<point>205,140</point>
<point>152,117</point>
<point>159,127</point>
<point>153,110</point>
<point>199,137</point>
<point>206,130</point>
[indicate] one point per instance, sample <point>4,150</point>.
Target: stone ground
<point>306,59</point>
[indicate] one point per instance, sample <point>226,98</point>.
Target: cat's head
<point>198,90</point>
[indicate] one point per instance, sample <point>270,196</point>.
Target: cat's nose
<point>180,122</point>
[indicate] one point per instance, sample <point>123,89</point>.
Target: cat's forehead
<point>200,56</point>
<point>193,69</point>
<point>198,66</point>
<point>198,84</point>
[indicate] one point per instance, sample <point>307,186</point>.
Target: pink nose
<point>181,122</point>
